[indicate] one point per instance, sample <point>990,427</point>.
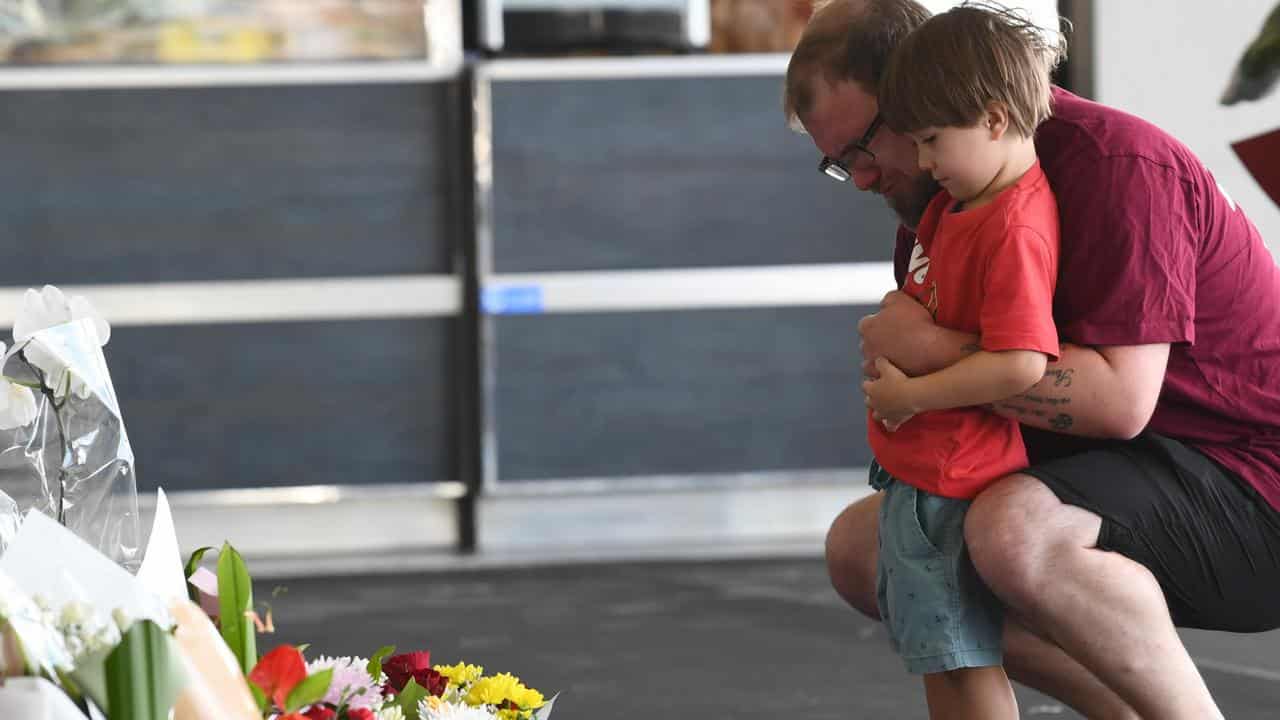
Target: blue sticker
<point>512,300</point>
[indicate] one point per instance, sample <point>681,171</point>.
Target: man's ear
<point>997,119</point>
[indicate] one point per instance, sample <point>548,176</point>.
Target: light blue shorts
<point>939,614</point>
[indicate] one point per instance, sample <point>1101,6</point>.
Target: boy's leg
<point>980,693</point>
<point>852,553</point>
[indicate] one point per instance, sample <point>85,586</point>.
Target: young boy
<point>969,87</point>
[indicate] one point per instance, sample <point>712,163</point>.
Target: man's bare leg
<point>1032,661</point>
<point>852,552</point>
<point>1106,611</point>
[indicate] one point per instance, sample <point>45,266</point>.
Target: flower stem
<point>62,434</point>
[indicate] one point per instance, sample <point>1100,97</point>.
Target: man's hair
<point>846,40</point>
<point>947,72</point>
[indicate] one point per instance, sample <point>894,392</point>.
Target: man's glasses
<point>836,169</point>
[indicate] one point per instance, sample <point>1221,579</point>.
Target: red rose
<point>434,682</point>
<point>401,668</point>
<point>320,712</point>
<point>359,714</point>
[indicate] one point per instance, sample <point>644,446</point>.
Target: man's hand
<point>889,396</point>
<point>897,331</point>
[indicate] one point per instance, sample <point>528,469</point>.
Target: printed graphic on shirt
<point>919,262</point>
<point>919,270</point>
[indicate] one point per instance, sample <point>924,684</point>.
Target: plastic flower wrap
<point>63,446</point>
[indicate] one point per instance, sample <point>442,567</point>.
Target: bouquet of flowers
<point>63,446</point>
<point>117,634</point>
<point>384,686</point>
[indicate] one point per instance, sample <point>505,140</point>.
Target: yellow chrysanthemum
<point>460,674</point>
<point>498,689</point>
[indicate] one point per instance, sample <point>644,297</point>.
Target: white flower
<point>50,307</point>
<point>433,708</point>
<point>17,403</point>
<point>391,712</point>
<point>86,630</point>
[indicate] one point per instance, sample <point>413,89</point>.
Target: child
<point>969,87</point>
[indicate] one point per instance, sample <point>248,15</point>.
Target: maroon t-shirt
<point>1154,251</point>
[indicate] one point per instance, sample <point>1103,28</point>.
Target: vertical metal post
<point>477,444</point>
<point>1077,73</point>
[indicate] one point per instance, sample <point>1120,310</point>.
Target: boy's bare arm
<point>981,378</point>
<point>978,379</point>
<point>1108,391</point>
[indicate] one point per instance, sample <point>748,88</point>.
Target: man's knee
<point>852,550</point>
<point>1012,530</point>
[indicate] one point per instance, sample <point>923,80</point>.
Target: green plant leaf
<point>409,697</point>
<point>235,602</point>
<point>144,674</point>
<point>375,663</point>
<point>90,676</point>
<point>259,696</point>
<point>309,690</point>
<point>193,562</point>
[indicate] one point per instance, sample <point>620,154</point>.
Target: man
<point>1154,439</point>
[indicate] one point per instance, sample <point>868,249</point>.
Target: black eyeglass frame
<point>836,169</point>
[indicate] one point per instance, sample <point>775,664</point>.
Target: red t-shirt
<point>1154,251</point>
<point>990,271</point>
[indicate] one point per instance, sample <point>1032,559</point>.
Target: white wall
<point>1042,12</point>
<point>1168,61</point>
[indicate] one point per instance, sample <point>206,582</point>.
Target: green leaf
<point>259,696</point>
<point>193,562</point>
<point>144,674</point>
<point>309,691</point>
<point>90,676</point>
<point>375,663</point>
<point>235,602</point>
<point>409,697</point>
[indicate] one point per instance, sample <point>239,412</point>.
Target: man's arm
<point>1096,392</point>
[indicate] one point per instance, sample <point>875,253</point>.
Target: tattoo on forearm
<point>1060,422</point>
<point>1022,411</point>
<point>1061,378</point>
<point>970,347</point>
<point>1045,399</point>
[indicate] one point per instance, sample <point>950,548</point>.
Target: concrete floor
<point>741,639</point>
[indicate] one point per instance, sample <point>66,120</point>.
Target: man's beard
<point>910,203</point>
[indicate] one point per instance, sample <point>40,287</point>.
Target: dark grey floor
<point>737,639</point>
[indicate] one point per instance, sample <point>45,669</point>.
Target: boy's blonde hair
<point>946,72</point>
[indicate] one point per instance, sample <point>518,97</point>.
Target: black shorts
<point>1208,537</point>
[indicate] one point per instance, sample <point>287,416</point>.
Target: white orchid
<point>17,403</point>
<point>49,308</point>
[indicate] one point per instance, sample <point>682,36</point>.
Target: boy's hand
<point>889,397</point>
